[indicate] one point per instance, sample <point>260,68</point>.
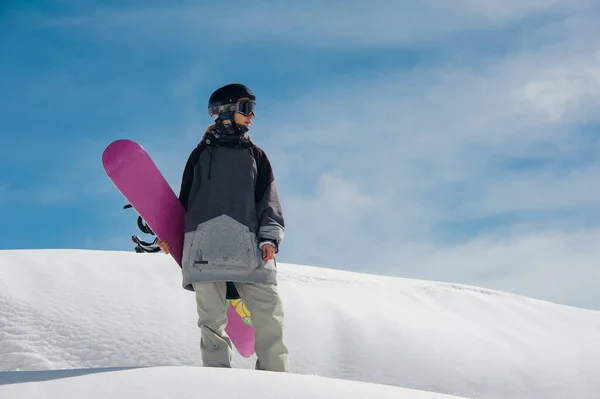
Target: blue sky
<point>455,141</point>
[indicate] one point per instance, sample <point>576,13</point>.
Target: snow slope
<point>75,309</point>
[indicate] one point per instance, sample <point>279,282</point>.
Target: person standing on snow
<point>233,228</point>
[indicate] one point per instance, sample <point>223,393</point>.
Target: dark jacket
<point>232,205</point>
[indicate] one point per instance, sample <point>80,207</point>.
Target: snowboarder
<point>233,228</point>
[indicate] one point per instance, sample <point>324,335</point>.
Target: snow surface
<point>193,382</point>
<point>79,323</point>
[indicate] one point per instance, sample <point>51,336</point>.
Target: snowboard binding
<point>141,245</point>
<point>144,247</point>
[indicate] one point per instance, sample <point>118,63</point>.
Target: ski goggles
<point>244,107</point>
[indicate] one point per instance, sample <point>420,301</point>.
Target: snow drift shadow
<point>18,377</point>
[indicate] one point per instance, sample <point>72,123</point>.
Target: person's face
<point>243,120</point>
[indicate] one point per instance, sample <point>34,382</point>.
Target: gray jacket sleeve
<point>268,207</point>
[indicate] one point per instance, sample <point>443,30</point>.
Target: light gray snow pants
<point>263,302</point>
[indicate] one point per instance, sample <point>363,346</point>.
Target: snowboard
<point>136,176</point>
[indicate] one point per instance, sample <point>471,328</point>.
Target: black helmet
<point>229,94</point>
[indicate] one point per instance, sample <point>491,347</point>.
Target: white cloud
<point>324,218</point>
<point>563,267</point>
<point>560,92</point>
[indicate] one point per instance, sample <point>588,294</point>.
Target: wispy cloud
<point>311,23</point>
<point>552,265</point>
